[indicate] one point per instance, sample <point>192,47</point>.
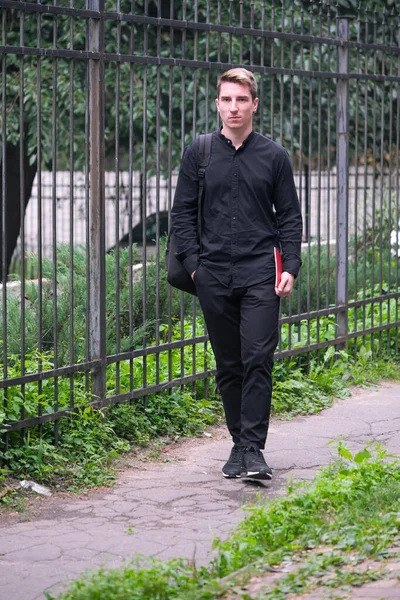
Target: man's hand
<point>285,286</point>
<point>192,275</point>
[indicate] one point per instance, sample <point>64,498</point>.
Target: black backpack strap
<point>204,158</point>
<point>205,142</point>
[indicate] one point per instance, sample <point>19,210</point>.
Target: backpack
<point>177,276</point>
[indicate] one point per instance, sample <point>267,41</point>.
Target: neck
<point>237,136</point>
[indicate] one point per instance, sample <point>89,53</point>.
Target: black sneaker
<point>234,467</point>
<point>254,464</point>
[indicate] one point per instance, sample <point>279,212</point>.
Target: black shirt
<point>250,206</point>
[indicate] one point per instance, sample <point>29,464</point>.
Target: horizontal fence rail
<point>98,101</point>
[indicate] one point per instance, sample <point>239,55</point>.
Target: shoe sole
<point>257,476</point>
<point>231,476</point>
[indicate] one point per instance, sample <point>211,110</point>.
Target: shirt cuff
<point>191,263</point>
<point>292,266</point>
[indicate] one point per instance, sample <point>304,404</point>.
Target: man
<point>250,207</point>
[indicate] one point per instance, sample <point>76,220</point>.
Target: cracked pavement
<point>175,509</point>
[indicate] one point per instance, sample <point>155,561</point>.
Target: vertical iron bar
<point>272,78</point>
<point>391,223</point>
<point>54,219</point>
<point>374,185</point>
<point>307,201</point>
<point>292,154</point>
<point>342,186</point>
<point>144,196</point>
<point>170,96</point>
<point>397,210</point>
<point>354,248</point>
<point>365,197</point>
<point>22,144</point>
<point>39,211</point>
<point>392,259</point>
<point>241,36</point>
<point>183,123</point>
<point>219,33</point>
<point>71,215</point>
<point>207,74</point>
<point>262,58</point>
<point>328,167</point>
<point>310,167</point>
<point>230,34</point>
<point>158,179</point>
<point>4,216</point>
<point>87,208</point>
<point>281,78</point>
<point>319,180</point>
<point>117,205</point>
<point>301,138</point>
<point>97,242</point>
<point>381,187</point>
<point>207,95</point>
<point>131,193</point>
<point>251,37</point>
<point>194,123</point>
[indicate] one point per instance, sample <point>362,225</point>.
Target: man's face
<point>235,105</point>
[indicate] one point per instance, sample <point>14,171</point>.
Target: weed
<point>91,440</point>
<point>130,530</point>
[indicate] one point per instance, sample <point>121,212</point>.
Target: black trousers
<point>243,327</point>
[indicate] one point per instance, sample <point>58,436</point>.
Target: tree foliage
<point>154,107</point>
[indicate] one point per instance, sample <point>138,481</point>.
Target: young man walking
<point>249,207</point>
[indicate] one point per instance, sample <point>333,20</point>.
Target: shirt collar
<point>229,142</point>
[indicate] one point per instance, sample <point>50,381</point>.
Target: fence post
<point>96,215</point>
<point>342,157</point>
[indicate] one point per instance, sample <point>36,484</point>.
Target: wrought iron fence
<point>311,185</point>
<point>120,87</point>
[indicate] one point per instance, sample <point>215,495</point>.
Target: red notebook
<point>278,266</point>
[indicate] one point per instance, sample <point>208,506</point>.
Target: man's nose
<point>233,106</point>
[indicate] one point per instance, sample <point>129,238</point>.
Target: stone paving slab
<point>173,509</point>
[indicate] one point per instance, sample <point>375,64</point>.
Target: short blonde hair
<point>239,75</point>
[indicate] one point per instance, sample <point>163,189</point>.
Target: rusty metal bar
<point>96,217</point>
<point>342,157</point>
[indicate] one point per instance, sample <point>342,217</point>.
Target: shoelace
<point>237,454</point>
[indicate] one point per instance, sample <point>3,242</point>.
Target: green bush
<point>370,268</point>
<point>129,326</point>
<point>91,440</point>
<point>136,324</point>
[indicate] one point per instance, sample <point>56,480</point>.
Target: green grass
<point>351,509</point>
